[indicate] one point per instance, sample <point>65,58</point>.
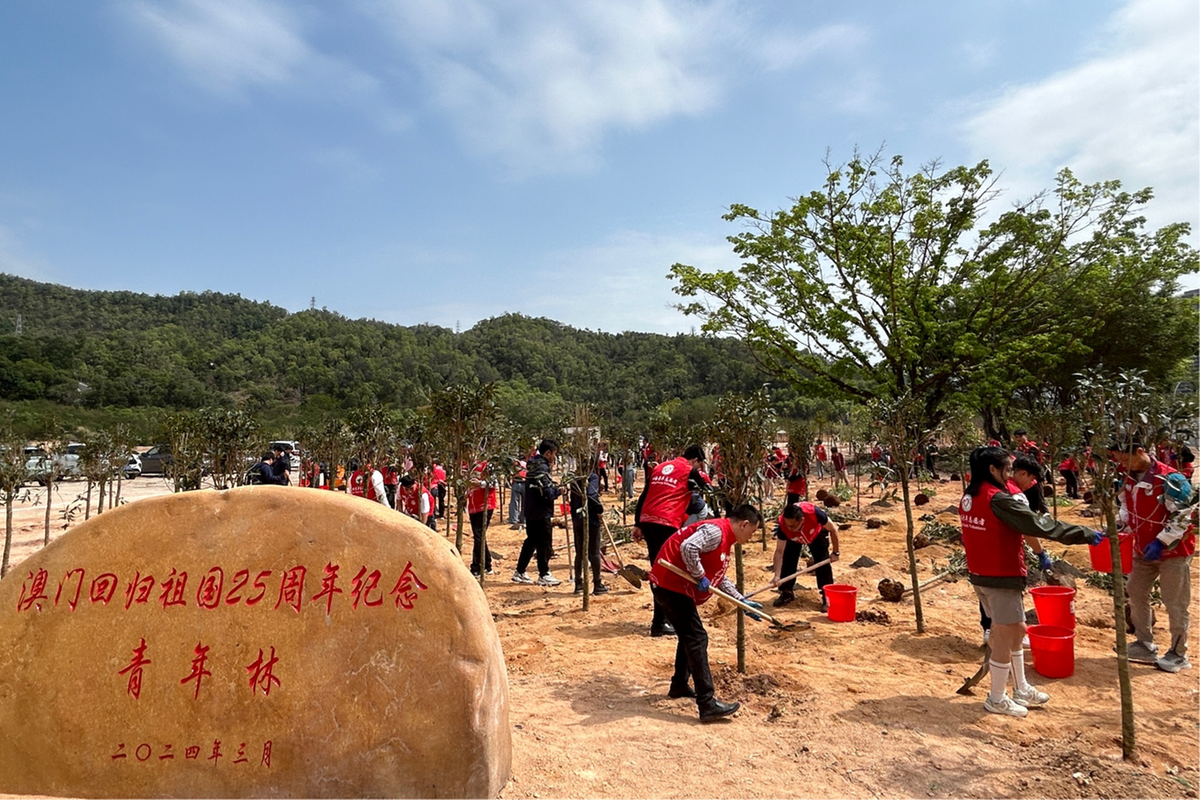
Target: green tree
<point>883,286</point>
<point>12,475</point>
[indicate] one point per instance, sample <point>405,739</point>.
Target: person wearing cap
<point>993,524</point>
<point>1156,509</point>
<point>663,507</point>
<point>701,550</point>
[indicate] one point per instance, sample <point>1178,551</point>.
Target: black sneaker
<point>666,630</point>
<point>578,588</point>
<point>785,598</point>
<point>717,710</point>
<point>600,588</point>
<point>676,692</point>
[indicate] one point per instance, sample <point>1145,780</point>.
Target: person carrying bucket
<point>803,523</point>
<point>993,524</point>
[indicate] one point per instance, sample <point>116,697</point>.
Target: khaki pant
<point>1175,585</point>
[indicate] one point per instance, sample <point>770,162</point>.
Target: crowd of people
<point>689,532</point>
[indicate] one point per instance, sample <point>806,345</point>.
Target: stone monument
<point>258,642</point>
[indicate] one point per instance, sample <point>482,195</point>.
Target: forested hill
<point>122,349</point>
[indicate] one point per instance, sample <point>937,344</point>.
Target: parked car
<point>133,467</point>
<point>157,460</point>
<point>65,464</point>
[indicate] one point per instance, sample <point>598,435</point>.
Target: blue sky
<point>452,160</point>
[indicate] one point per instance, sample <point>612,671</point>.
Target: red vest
<point>357,483</point>
<point>668,495</point>
<point>821,452</point>
<point>411,498</point>
<point>1147,514</point>
<point>993,549</point>
<point>809,527</point>
<point>476,497</point>
<point>799,485</point>
<point>714,563</point>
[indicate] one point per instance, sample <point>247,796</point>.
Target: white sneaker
<point>987,636</point>
<point>521,577</point>
<point>1025,642</point>
<point>548,580</point>
<point>1004,705</point>
<point>1030,697</point>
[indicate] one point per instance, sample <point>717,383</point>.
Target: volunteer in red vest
<point>821,458</point>
<point>703,551</point>
<point>1156,508</point>
<point>437,488</point>
<point>794,473</point>
<point>993,522</point>
<point>416,501</point>
<point>663,507</point>
<point>367,482</point>
<point>391,480</point>
<point>804,524</point>
<point>481,504</point>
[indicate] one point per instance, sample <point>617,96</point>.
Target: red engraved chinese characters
<point>361,588</point>
<point>134,669</point>
<point>291,588</point>
<point>328,587</point>
<point>33,591</point>
<point>78,586</point>
<point>266,757</point>
<point>103,588</point>
<point>208,593</point>
<point>172,589</point>
<point>139,589</point>
<point>262,673</point>
<point>406,588</point>
<point>198,671</point>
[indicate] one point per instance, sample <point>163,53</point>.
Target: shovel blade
<point>629,573</point>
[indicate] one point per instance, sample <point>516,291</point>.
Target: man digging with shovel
<point>804,523</point>
<point>702,552</point>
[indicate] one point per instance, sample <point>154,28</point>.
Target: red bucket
<point>1055,605</point>
<point>842,600</point>
<point>1053,650</point>
<point>1101,554</point>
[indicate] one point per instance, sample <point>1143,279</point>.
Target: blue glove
<point>753,604</point>
<point>1097,538</point>
<point>1043,560</point>
<point>1153,551</point>
<point>703,584</point>
<point>754,616</point>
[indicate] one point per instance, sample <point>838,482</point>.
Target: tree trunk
<point>585,570</point>
<point>100,497</point>
<point>8,514</point>
<point>458,533</point>
<point>87,503</point>
<point>912,552</point>
<point>1128,733</point>
<point>49,495</point>
<point>741,615</point>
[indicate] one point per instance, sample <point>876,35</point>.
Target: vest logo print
<point>966,502</point>
<point>668,469</point>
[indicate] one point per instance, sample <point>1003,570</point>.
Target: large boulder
<point>265,641</point>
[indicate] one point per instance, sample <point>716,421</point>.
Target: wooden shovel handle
<point>793,575</point>
<point>742,605</point>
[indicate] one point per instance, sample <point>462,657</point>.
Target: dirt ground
<point>842,710</point>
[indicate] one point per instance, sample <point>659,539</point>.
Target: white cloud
<point>1131,111</point>
<point>226,46</point>
<point>621,284</point>
<point>540,83</point>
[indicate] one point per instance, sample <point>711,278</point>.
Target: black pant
<point>1072,478</point>
<point>440,494</point>
<point>479,522</point>
<point>656,536</point>
<point>819,548</point>
<point>603,473</point>
<point>791,499</point>
<point>538,538</point>
<point>390,490</point>
<point>691,646</point>
<point>593,547</point>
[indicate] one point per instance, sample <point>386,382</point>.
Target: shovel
<point>629,572</point>
<point>789,577</point>
<point>978,676</point>
<point>783,626</point>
